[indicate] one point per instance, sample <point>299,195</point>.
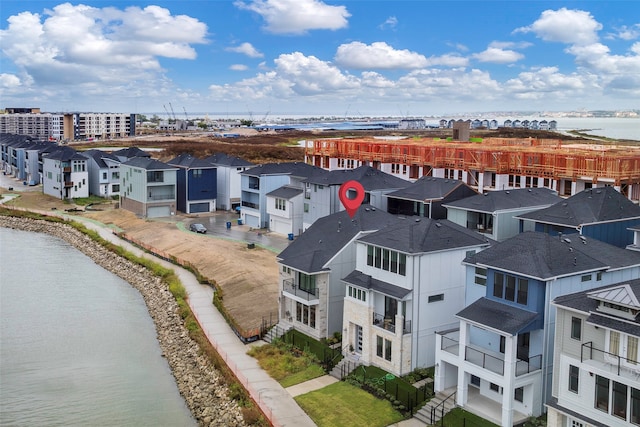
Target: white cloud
<point>378,55</point>
<point>547,83</point>
<point>565,26</point>
<point>9,81</point>
<point>498,56</point>
<point>297,16</point>
<point>626,33</point>
<point>448,60</point>
<point>391,23</point>
<point>238,67</point>
<point>246,49</point>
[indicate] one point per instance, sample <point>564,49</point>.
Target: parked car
<point>198,228</point>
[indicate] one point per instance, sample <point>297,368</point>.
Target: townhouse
<point>196,184</point>
<point>596,375</point>
<point>65,173</point>
<point>499,359</point>
<point>228,179</point>
<point>104,173</point>
<point>148,187</point>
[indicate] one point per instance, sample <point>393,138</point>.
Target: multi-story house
<point>596,375</point>
<point>426,197</point>
<point>65,174</point>
<point>196,184</point>
<point>128,153</point>
<point>312,266</point>
<point>148,187</point>
<point>600,213</point>
<point>104,173</point>
<point>284,207</point>
<point>493,213</point>
<point>19,157</point>
<point>322,190</point>
<point>499,360</point>
<point>408,283</point>
<point>229,179</point>
<point>259,180</point>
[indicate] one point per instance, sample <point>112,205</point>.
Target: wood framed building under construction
<point>489,164</point>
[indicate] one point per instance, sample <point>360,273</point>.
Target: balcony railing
<point>485,360</point>
<point>388,323</point>
<point>157,197</point>
<point>251,205</point>
<point>589,352</point>
<point>68,184</point>
<point>66,169</point>
<point>292,288</point>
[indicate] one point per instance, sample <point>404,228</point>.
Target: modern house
<point>407,284</point>
<point>493,213</point>
<point>599,213</point>
<point>312,266</point>
<point>125,154</point>
<point>260,180</point>
<point>104,173</point>
<point>65,174</point>
<point>229,179</point>
<point>19,157</point>
<point>322,189</point>
<point>196,184</point>
<point>284,207</point>
<point>426,197</point>
<point>148,187</point>
<point>499,360</point>
<point>596,371</point>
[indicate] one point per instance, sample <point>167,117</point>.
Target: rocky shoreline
<point>201,385</point>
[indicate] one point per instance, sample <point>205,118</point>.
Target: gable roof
<point>148,164</point>
<point>131,152</point>
<point>493,201</point>
<point>98,156</point>
<point>619,295</point>
<point>502,317</point>
<point>328,235</point>
<point>186,160</point>
<point>428,188</point>
<point>224,159</point>
<point>358,278</point>
<point>65,154</point>
<point>299,169</point>
<point>590,206</point>
<point>541,256</point>
<point>370,178</point>
<point>285,192</point>
<point>420,235</point>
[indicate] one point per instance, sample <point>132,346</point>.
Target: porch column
<point>510,361</point>
<point>480,182</point>
<point>461,394</point>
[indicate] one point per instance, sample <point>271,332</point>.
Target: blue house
<point>500,359</point>
<point>196,184</point>
<point>599,213</point>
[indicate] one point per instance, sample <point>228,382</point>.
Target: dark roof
<point>494,201</point>
<point>224,159</point>
<point>544,257</point>
<point>299,169</point>
<point>131,152</point>
<point>188,161</point>
<point>370,178</point>
<point>65,154</point>
<point>593,205</point>
<point>582,301</point>
<point>285,192</point>
<point>418,234</point>
<point>98,156</point>
<point>427,188</point>
<point>365,281</point>
<point>328,235</point>
<point>499,316</point>
<point>148,164</point>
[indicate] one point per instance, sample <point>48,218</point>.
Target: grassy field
<point>285,367</point>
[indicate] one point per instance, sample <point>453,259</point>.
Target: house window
<point>586,278</point>
<point>115,188</point>
<point>281,204</point>
<point>510,290</point>
<point>475,381</point>
<point>379,345</point>
<point>574,373</point>
<point>306,314</point>
<point>635,406</point>
<point>523,291</point>
<point>599,275</point>
<point>518,394</point>
<point>494,387</point>
<point>614,343</point>
<point>387,350</point>
<point>306,208</point>
<point>576,328</point>
<point>602,393</point>
<point>503,342</point>
<point>155,176</point>
<point>481,276</point>
<point>436,298</point>
<point>307,283</point>
<point>358,294</point>
<point>498,279</point>
<point>115,175</point>
<point>619,400</point>
<point>370,255</point>
<point>632,350</point>
<point>104,175</point>
<point>576,423</point>
<point>386,259</point>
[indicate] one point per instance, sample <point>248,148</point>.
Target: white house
<point>104,173</point>
<point>65,174</point>
<point>148,187</point>
<point>284,207</point>
<point>229,179</point>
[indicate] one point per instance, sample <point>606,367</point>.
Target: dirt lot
<point>248,277</point>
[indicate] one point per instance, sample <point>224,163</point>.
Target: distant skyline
<point>309,57</point>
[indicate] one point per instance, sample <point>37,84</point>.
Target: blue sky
<point>272,58</point>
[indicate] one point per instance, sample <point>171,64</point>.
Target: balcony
<point>388,324</point>
<point>66,169</point>
<point>255,206</point>
<point>68,184</point>
<point>610,362</point>
<point>290,287</point>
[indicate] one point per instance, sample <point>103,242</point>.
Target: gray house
<point>104,173</point>
<point>148,187</point>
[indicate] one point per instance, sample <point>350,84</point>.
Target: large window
<point>280,204</point>
<point>510,288</point>
<point>619,400</point>
<point>635,406</point>
<point>602,393</point>
<point>574,375</point>
<point>383,348</point>
<point>386,259</point>
<point>306,314</point>
<point>387,350</point>
<point>576,328</point>
<point>307,282</point>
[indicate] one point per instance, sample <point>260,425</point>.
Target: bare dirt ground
<point>248,278</point>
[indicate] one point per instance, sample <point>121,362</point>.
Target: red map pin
<point>351,204</point>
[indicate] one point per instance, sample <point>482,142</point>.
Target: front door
<point>358,339</point>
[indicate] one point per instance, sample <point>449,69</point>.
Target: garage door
<point>198,207</point>
<point>252,221</point>
<point>158,211</point>
<point>281,227</point>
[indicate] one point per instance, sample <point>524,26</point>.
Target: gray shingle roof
<point>148,164</point>
<point>427,188</point>
<point>418,235</point>
<point>370,178</point>
<point>298,169</point>
<point>328,235</point>
<point>494,201</point>
<point>285,192</point>
<point>224,159</point>
<point>587,207</point>
<point>365,281</point>
<point>65,154</point>
<point>502,317</point>
<point>188,161</point>
<point>131,152</point>
<point>544,257</point>
<point>98,156</point>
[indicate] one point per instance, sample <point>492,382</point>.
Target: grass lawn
<point>341,404</point>
<point>458,417</point>
<point>284,367</point>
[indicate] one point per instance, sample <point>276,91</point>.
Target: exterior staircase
<point>343,368</point>
<point>276,332</point>
<point>437,407</point>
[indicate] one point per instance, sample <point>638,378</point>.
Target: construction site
<point>488,164</point>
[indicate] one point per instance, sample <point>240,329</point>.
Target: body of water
<point>77,345</point>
